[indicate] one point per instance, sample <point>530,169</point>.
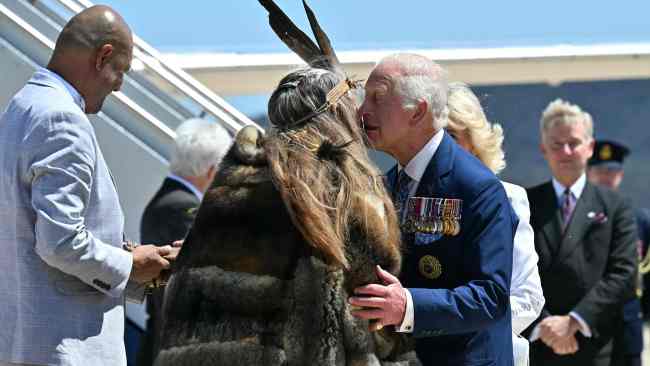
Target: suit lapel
<point>550,219</point>
<point>579,223</point>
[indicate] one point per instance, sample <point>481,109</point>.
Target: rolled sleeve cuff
<point>584,327</point>
<point>409,318</point>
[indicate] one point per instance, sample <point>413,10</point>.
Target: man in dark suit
<point>586,240</point>
<point>199,146</point>
<point>457,225</point>
<point>606,169</point>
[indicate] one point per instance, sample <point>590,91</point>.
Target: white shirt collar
<point>187,184</point>
<point>576,188</point>
<point>418,164</point>
<point>76,96</point>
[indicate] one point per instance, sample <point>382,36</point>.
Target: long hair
<point>321,166</point>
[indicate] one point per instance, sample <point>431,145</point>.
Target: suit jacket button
<point>101,284</point>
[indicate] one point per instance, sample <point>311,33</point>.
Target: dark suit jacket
<point>463,316</point>
<point>167,218</point>
<point>643,225</point>
<point>589,269</point>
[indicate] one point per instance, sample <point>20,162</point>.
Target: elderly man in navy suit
<point>457,223</point>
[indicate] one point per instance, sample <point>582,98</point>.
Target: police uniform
<point>628,341</point>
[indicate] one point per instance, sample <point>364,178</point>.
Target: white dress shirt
<point>415,170</point>
<point>576,189</point>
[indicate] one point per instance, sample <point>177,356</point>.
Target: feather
<point>321,37</point>
<point>299,42</point>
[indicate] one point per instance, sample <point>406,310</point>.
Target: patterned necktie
<point>568,204</point>
<point>402,192</point>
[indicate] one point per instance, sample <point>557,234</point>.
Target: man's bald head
<point>94,27</point>
<point>93,53</point>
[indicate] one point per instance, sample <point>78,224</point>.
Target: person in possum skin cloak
<point>293,222</point>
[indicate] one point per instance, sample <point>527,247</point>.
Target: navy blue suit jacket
<point>463,316</point>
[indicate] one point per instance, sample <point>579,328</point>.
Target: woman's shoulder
<point>517,196</point>
<point>513,190</point>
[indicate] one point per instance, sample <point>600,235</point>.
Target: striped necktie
<point>402,192</point>
<point>568,205</point>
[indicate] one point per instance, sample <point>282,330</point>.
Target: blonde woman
<point>471,130</point>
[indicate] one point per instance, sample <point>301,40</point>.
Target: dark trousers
<point>592,352</point>
<point>628,340</point>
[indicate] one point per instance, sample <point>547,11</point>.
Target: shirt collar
<point>418,164</point>
<point>76,96</point>
<point>576,188</point>
<point>187,184</point>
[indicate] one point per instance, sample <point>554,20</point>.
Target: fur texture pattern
<point>248,290</point>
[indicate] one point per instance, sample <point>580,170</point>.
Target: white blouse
<point>526,296</point>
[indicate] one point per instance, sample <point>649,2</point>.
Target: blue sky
<point>240,25</point>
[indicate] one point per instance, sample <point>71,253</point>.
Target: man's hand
<point>554,327</point>
<point>558,332</point>
<point>565,346</point>
<point>150,260</point>
<point>382,304</point>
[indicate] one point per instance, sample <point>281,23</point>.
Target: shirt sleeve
<point>61,173</point>
<point>584,327</point>
<point>408,322</point>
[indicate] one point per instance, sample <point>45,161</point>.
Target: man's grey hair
<point>199,145</point>
<point>560,112</point>
<point>421,79</point>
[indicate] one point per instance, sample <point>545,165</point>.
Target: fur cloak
<point>248,290</point>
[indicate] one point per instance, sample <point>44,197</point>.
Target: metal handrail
<point>182,81</point>
<point>159,135</point>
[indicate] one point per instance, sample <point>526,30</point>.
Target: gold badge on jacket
<point>433,215</point>
<point>430,267</point>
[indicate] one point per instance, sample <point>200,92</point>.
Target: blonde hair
<point>321,167</point>
<point>466,115</point>
<point>562,112</point>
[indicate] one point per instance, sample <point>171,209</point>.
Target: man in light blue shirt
<point>65,272</point>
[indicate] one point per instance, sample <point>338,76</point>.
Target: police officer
<point>606,169</point>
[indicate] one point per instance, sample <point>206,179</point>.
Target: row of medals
<point>433,215</point>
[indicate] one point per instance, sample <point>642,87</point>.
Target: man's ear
<point>592,145</point>
<point>103,56</point>
<point>542,149</point>
<point>419,112</point>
